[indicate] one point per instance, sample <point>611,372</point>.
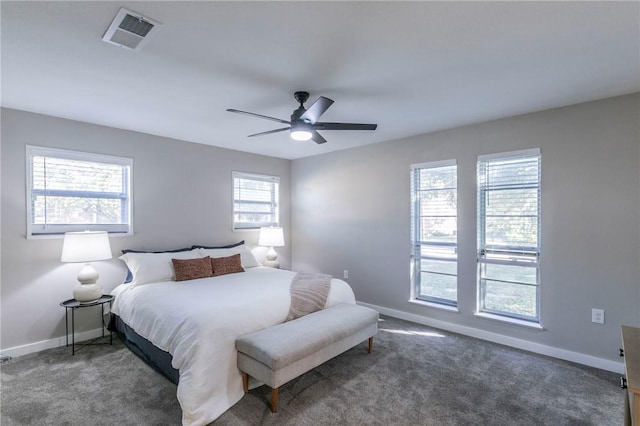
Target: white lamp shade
<point>271,237</point>
<point>85,246</point>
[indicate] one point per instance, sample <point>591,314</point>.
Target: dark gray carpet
<point>416,376</point>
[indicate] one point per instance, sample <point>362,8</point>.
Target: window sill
<point>514,321</point>
<point>61,236</point>
<point>435,305</point>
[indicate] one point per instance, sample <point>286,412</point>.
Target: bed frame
<point>153,356</point>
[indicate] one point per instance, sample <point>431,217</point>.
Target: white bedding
<point>198,321</point>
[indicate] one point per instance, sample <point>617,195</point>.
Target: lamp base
<point>88,274</point>
<point>272,257</point>
<point>87,292</point>
<point>271,264</point>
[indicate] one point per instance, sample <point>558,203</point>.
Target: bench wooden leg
<point>274,400</point>
<point>245,382</point>
<point>370,344</point>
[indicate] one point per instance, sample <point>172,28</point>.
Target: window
<point>255,201</point>
<point>434,243</point>
<point>509,235</point>
<point>77,191</point>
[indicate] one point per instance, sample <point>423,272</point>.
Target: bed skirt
<point>153,356</point>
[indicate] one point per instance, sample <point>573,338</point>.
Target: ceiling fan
<point>304,124</point>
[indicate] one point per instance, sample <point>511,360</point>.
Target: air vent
<point>130,30</point>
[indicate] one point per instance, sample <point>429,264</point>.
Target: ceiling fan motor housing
<point>296,115</point>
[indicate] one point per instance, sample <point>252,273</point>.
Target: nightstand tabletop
<point>73,303</point>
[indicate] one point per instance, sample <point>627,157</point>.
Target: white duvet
<point>198,322</point>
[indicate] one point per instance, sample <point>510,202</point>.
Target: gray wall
<point>182,196</point>
<point>351,211</point>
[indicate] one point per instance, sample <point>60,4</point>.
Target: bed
<point>195,323</point>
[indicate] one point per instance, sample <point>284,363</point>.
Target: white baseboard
<point>591,361</point>
<point>51,343</point>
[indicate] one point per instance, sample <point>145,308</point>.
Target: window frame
<point>274,203</point>
<point>416,243</point>
<point>507,255</point>
<point>58,230</point>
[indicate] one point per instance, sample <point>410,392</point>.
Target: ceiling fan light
<point>301,132</point>
<point>300,135</point>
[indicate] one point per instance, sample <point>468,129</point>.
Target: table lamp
<point>85,247</point>
<point>271,237</point>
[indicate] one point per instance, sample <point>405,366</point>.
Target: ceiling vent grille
<point>130,30</point>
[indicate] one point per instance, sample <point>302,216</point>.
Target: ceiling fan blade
<point>269,132</point>
<point>344,126</point>
<point>252,114</point>
<point>313,113</point>
<point>317,138</point>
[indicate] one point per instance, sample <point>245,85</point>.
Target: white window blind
<point>509,234</point>
<point>255,200</point>
<point>434,221</point>
<point>76,191</point>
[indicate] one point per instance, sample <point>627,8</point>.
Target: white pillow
<point>247,259</point>
<point>155,267</point>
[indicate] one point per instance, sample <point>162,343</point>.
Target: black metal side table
<point>73,304</point>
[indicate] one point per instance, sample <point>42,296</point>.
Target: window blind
<point>509,205</point>
<point>71,191</point>
<point>255,200</point>
<point>509,234</point>
<point>434,231</point>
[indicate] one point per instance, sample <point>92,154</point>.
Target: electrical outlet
<point>345,274</point>
<point>597,316</point>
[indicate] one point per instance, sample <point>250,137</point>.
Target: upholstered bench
<point>285,351</point>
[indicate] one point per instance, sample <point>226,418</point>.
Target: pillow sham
<point>154,267</point>
<point>247,259</point>
<point>226,265</point>
<point>129,276</point>
<point>191,269</point>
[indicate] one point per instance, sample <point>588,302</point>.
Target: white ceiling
<point>411,67</point>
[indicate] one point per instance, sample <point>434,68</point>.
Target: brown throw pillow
<point>190,269</point>
<point>226,265</point>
